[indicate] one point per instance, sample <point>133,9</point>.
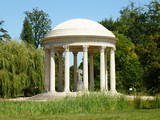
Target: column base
<point>67,91</point>
<point>91,89</point>
<point>103,91</point>
<point>113,92</point>
<point>46,91</point>
<point>60,90</point>
<point>52,91</point>
<point>85,91</point>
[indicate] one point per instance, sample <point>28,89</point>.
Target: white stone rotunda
<point>79,35</point>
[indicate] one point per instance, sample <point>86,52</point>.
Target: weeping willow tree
<point>21,69</point>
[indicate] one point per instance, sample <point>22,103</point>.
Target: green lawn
<point>94,107</point>
<point>148,114</point>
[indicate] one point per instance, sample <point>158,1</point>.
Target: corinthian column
<point>66,87</point>
<point>91,71</point>
<point>112,70</point>
<point>75,70</point>
<point>47,70</point>
<point>102,69</point>
<point>52,71</point>
<point>106,75</point>
<point>60,72</point>
<point>85,67</point>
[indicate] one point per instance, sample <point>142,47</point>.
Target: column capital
<point>107,49</point>
<point>66,47</point>
<point>102,48</point>
<point>46,51</point>
<point>91,53</point>
<point>60,52</point>
<point>52,49</point>
<point>106,52</point>
<point>113,49</point>
<point>85,48</point>
<point>75,53</point>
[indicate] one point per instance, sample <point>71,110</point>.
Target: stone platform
<point>62,95</point>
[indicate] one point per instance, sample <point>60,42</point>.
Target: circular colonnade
<point>79,35</point>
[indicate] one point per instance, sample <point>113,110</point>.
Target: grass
<point>85,107</point>
<point>135,114</point>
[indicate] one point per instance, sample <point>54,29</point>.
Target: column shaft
<point>106,75</point>
<point>112,70</point>
<point>52,71</point>
<point>85,67</point>
<point>67,82</point>
<point>102,69</point>
<point>91,72</point>
<point>60,72</point>
<point>75,70</point>
<point>47,70</point>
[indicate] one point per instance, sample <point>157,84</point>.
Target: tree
<point>21,69</point>
<point>137,23</point>
<point>110,24</point>
<point>26,34</point>
<point>150,61</point>
<point>128,67</point>
<point>141,26</point>
<point>132,23</point>
<point>153,17</point>
<point>143,29</point>
<point>41,25</point>
<point>3,33</point>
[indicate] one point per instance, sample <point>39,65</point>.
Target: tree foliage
<point>141,26</point>
<point>3,33</point>
<point>150,60</point>
<point>153,17</point>
<point>26,34</point>
<point>21,69</point>
<point>41,25</point>
<point>128,67</point>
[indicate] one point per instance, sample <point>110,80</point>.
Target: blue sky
<point>12,11</point>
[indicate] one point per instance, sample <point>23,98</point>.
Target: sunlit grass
<point>70,106</point>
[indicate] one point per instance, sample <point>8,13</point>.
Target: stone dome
<point>80,27</point>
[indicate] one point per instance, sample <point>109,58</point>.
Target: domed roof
<point>80,27</point>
